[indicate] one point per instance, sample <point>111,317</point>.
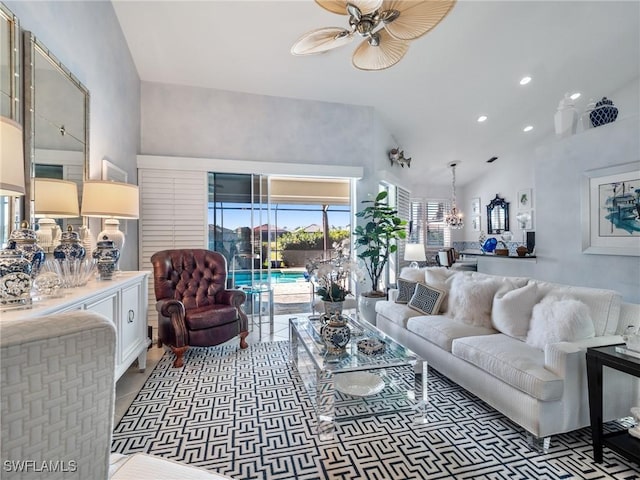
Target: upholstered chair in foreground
<point>57,393</point>
<point>194,306</point>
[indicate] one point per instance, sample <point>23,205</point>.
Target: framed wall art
<point>611,210</point>
<point>475,214</point>
<point>525,200</point>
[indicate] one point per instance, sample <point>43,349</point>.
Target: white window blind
<point>427,223</point>
<point>403,206</point>
<point>173,214</point>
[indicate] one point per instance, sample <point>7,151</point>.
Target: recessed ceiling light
<point>482,118</point>
<point>528,128</point>
<point>525,80</point>
<point>575,96</point>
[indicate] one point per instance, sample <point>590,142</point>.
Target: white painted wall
<point>86,37</point>
<point>554,169</point>
<point>208,123</point>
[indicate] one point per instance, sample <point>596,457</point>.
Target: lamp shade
<point>55,198</point>
<point>110,199</point>
<point>414,252</point>
<point>11,158</point>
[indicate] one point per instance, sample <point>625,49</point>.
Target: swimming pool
<point>244,278</point>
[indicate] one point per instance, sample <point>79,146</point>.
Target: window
<point>427,223</point>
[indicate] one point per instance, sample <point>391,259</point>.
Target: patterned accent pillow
<point>405,290</point>
<point>427,299</point>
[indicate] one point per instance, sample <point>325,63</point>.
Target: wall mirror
<point>497,216</point>
<point>56,123</point>
<point>10,83</point>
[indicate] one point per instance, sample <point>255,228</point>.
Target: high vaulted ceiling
<point>468,65</point>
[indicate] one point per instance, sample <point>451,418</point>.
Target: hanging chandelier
<point>454,217</point>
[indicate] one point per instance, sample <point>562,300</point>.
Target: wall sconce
<point>53,199</point>
<point>397,156</point>
<point>110,200</point>
<point>415,253</point>
<point>11,159</point>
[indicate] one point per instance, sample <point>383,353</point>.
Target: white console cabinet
<point>123,300</point>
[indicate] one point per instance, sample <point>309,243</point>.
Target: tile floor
<point>133,379</point>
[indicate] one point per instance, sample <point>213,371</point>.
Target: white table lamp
<point>53,198</point>
<point>414,252</point>
<point>110,200</point>
<point>11,159</point>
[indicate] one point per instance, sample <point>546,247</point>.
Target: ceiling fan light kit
<point>387,27</point>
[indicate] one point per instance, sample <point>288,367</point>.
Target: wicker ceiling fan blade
<point>387,53</point>
<point>340,6</point>
<point>416,17</point>
<point>321,40</point>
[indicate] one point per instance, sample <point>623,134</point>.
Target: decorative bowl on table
<point>359,384</point>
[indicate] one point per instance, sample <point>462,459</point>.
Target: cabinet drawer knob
<point>131,316</point>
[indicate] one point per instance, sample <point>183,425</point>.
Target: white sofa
<point>58,390</point>
<point>541,388</point>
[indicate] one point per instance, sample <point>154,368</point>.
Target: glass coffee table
<point>355,384</point>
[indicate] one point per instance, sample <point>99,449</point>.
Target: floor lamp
<point>112,201</point>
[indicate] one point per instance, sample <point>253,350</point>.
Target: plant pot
<point>367,307</point>
<point>336,334</point>
<point>521,251</point>
<point>502,252</point>
<point>331,308</point>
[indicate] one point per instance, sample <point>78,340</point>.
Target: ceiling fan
<point>387,26</point>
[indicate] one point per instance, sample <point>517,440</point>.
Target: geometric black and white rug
<point>246,414</point>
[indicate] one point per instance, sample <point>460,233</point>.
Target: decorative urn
<point>24,240</point>
<point>335,333</point>
<point>107,255</point>
<point>15,279</point>
<point>70,247</point>
<point>566,117</point>
<point>604,112</point>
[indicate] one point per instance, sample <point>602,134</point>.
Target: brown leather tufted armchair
<point>194,307</point>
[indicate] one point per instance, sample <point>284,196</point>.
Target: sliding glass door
<point>270,227</point>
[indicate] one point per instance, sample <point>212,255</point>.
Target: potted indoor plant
<point>333,277</point>
<point>375,242</point>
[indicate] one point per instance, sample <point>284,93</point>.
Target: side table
<point>260,302</point>
<point>621,441</point>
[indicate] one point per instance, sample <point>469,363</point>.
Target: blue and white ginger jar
<point>70,247</point>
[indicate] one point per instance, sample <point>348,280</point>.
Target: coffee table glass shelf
<point>353,384</point>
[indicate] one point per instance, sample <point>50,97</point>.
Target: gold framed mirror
<point>10,94</point>
<point>56,124</point>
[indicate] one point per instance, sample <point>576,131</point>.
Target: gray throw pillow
<point>405,290</point>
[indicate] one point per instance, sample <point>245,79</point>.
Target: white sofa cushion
<point>441,278</point>
<point>427,299</point>
<point>604,305</point>
<point>557,319</point>
<point>511,361</point>
<point>442,330</point>
<point>512,308</point>
<point>470,299</point>
<point>397,313</point>
<point>516,281</point>
<point>413,274</point>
